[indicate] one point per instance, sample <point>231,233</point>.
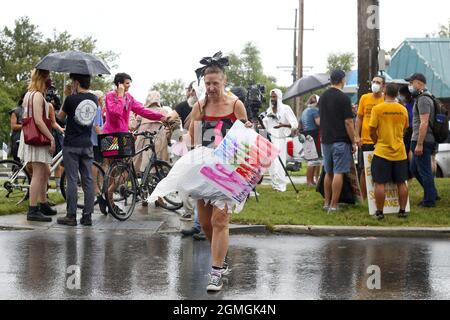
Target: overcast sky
<point>164,40</point>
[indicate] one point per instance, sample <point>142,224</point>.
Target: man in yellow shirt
<point>388,123</point>
<point>363,139</point>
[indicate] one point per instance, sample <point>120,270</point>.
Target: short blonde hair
<point>38,80</point>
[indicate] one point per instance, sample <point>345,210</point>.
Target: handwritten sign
<point>391,205</point>
<point>241,160</point>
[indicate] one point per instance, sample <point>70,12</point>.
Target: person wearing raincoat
<point>279,122</point>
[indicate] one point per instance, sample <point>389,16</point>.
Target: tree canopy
<point>23,46</point>
<point>172,92</point>
<point>344,61</point>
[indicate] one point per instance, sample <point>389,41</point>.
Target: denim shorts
<point>337,157</point>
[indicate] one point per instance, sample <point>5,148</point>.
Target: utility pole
<point>294,71</point>
<point>301,29</point>
<point>301,12</point>
<point>368,43</point>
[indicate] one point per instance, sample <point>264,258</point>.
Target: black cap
<point>417,76</point>
<point>337,76</point>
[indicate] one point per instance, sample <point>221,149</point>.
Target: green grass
<point>306,209</point>
<point>9,206</point>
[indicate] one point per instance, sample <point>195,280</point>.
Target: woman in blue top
<point>310,123</point>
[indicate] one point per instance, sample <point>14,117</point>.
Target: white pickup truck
<point>295,156</point>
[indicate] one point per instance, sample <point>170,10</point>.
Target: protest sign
<point>240,161</point>
<point>391,205</point>
<point>310,149</point>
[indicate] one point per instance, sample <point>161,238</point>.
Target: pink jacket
<point>118,112</point>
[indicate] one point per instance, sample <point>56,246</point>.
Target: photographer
<point>279,121</point>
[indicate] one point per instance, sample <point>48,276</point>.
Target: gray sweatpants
<point>79,160</point>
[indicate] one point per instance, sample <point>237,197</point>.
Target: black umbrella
<point>74,62</point>
<point>307,84</point>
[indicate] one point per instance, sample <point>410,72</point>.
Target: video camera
<point>256,99</point>
<point>53,98</point>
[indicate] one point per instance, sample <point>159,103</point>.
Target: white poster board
<point>391,205</point>
<point>5,151</point>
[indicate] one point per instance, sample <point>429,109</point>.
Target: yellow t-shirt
<point>366,104</point>
<point>391,120</point>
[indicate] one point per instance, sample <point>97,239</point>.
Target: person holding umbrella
<point>80,110</point>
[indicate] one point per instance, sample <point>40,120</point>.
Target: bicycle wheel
<point>120,191</point>
<point>98,181</point>
<point>158,172</point>
<point>14,181</point>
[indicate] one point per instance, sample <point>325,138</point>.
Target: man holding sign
<point>388,123</point>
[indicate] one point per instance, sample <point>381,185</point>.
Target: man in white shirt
<point>279,121</point>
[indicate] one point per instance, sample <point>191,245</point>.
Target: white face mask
<point>376,88</point>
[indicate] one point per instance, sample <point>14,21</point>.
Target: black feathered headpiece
<point>216,60</point>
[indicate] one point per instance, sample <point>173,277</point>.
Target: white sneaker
<point>215,282</point>
<point>225,271</point>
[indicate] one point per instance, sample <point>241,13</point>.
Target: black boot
<point>47,210</point>
<point>35,215</point>
<point>68,221</point>
<point>86,220</point>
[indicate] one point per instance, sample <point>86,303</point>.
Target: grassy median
<point>9,206</point>
<point>306,209</point>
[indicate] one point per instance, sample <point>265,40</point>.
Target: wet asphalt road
<point>133,265</point>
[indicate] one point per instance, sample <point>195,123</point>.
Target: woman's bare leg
<point>220,237</point>
<point>38,189</point>
<point>205,218</point>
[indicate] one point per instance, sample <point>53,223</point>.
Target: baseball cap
<point>337,76</point>
<point>417,76</point>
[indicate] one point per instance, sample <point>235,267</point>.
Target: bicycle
<point>16,180</point>
<point>122,188</point>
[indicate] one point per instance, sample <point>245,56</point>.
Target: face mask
<point>411,89</point>
<point>376,88</point>
<point>401,99</point>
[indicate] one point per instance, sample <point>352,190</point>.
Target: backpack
<point>439,125</point>
<point>347,195</point>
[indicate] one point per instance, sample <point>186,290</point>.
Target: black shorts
<point>364,148</point>
<point>98,155</point>
<point>385,171</point>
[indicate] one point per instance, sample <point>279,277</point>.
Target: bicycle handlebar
<point>146,134</point>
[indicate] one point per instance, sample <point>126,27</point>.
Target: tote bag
<point>31,133</point>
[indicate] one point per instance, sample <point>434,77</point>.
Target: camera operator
<point>255,100</point>
<point>279,121</point>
